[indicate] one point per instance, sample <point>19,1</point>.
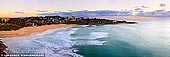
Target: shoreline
<point>29,30</point>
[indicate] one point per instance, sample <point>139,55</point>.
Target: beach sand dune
<point>28,30</point>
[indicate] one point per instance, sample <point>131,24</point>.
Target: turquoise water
<point>148,38</point>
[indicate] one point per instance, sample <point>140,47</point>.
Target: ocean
<point>148,38</point>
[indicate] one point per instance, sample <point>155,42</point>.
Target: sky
<point>13,8</point>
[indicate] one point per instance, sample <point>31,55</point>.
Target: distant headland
<point>8,24</point>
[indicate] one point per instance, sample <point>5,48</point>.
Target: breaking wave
<point>53,42</point>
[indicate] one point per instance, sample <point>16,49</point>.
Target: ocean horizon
<point>147,38</point>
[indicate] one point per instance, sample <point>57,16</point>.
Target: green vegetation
<point>8,24</point>
<point>9,27</point>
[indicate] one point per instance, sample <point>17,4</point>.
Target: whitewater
<point>56,42</point>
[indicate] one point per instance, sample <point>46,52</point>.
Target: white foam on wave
<point>97,35</point>
<point>84,25</point>
<point>91,39</point>
<point>89,42</point>
<point>53,42</point>
<point>53,50</point>
<point>93,36</point>
<point>50,31</point>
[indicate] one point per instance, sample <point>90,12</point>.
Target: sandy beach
<point>29,30</point>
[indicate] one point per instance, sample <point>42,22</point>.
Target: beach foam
<point>56,42</point>
<point>91,39</point>
<point>97,35</point>
<point>53,42</point>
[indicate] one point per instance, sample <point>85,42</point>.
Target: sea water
<point>148,38</point>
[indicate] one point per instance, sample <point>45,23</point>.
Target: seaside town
<point>8,24</point>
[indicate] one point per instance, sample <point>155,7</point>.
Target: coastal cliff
<point>3,48</point>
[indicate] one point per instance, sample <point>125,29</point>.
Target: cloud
<point>144,7</point>
<point>109,13</point>
<point>86,13</point>
<point>141,11</point>
<point>57,11</point>
<point>137,9</point>
<point>20,12</point>
<point>162,5</point>
<point>41,10</point>
<point>70,10</point>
